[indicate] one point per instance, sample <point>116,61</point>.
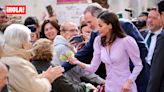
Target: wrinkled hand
<point>53,73</point>
<point>127,86</point>
<point>91,87</point>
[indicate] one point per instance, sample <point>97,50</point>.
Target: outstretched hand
<point>53,73</point>
<point>73,60</point>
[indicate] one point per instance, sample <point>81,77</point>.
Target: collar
<point>157,32</point>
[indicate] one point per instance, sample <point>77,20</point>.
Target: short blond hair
<point>42,49</point>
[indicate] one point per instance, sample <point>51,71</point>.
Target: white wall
<point>136,5</point>
<point>37,7</point>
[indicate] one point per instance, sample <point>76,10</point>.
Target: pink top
<point>117,62</point>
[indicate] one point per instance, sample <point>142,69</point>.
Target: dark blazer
<point>61,84</point>
<point>86,53</point>
<point>144,32</point>
<point>156,82</point>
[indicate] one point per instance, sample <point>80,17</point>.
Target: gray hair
<point>16,34</point>
<point>95,9</point>
<point>64,26</point>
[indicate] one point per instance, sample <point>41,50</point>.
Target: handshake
<point>69,57</point>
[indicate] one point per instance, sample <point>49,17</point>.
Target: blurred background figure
<point>84,29</point>
<point>33,24</point>
<point>161,11</point>
<point>3,16</point>
<point>156,81</point>
<point>103,3</point>
<point>3,76</point>
<point>141,25</point>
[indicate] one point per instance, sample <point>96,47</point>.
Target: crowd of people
<point>103,54</point>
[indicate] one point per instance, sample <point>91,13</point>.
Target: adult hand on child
<point>53,73</point>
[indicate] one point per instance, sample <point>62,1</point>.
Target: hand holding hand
<point>73,60</point>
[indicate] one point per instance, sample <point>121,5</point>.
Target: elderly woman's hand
<point>53,73</point>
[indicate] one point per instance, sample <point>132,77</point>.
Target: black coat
<point>61,84</point>
<point>156,82</point>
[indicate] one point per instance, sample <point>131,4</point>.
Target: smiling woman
<point>49,29</point>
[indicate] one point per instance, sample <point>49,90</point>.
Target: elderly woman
<point>43,50</point>
<point>23,76</point>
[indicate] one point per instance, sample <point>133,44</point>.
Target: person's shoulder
<point>94,33</point>
<point>161,35</point>
<point>13,59</point>
<point>98,38</point>
<point>17,62</point>
<point>125,22</point>
<point>128,39</point>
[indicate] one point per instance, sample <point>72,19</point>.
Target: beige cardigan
<point>23,76</point>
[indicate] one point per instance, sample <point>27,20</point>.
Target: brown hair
<point>117,31</point>
<point>42,49</point>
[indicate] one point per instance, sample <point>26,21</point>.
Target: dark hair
<point>31,21</point>
<point>1,8</point>
<point>144,14</point>
<point>53,23</point>
<point>152,8</point>
<point>161,6</point>
<point>83,25</point>
<point>117,31</point>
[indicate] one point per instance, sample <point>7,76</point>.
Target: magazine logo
<point>15,9</point>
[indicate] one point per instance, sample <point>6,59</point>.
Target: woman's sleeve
<point>134,54</point>
<point>96,61</point>
<point>28,79</point>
